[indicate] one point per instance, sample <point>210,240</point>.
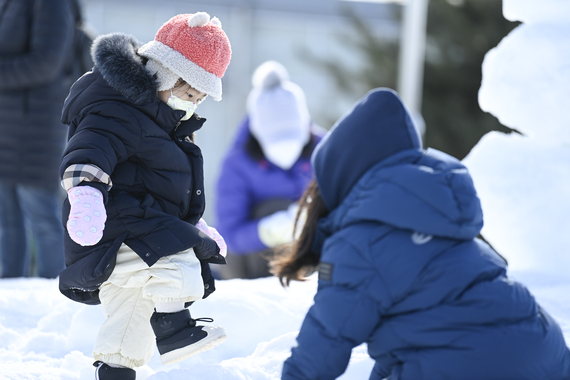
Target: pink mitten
<point>87,215</point>
<point>214,234</point>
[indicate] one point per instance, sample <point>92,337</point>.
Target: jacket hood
<point>377,127</point>
<point>119,74</point>
<point>122,68</point>
<point>371,168</point>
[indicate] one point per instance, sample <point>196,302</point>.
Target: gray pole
<point>412,55</point>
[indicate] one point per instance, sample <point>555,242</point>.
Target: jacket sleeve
<point>343,316</point>
<point>102,142</point>
<point>233,209</point>
<point>51,37</point>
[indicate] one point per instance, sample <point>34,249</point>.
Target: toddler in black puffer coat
<point>135,239</point>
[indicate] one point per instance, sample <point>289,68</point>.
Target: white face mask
<point>183,105</point>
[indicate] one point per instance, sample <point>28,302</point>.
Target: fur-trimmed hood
<point>119,74</point>
<point>122,68</point>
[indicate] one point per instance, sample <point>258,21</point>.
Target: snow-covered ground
<point>43,335</point>
<point>523,181</point>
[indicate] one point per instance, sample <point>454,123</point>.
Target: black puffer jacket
<point>117,123</point>
<point>35,46</point>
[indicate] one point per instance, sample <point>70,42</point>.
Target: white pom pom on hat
<point>201,19</point>
<point>278,114</point>
<point>198,19</point>
<point>269,75</point>
<point>216,21</point>
<point>195,48</point>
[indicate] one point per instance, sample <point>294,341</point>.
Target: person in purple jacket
<point>265,173</point>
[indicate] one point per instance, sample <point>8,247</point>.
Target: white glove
<point>277,228</point>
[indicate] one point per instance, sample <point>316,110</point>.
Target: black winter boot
<point>106,372</point>
<point>178,337</point>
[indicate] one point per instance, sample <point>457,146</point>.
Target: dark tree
<point>459,34</point>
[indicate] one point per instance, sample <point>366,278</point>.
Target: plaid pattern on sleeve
<point>78,173</point>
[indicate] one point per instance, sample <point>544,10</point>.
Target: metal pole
<point>412,54</point>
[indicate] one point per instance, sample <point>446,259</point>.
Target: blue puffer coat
<point>117,123</point>
<point>402,270</point>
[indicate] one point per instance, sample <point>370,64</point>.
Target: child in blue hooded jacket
<point>392,229</point>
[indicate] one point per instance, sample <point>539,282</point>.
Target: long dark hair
<point>296,260</point>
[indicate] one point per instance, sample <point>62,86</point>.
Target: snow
<point>43,335</point>
<point>523,182</point>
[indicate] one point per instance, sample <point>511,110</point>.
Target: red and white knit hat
<point>192,47</point>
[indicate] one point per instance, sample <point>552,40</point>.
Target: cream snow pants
<point>128,298</point>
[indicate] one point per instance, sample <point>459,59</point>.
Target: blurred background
<point>337,50</point>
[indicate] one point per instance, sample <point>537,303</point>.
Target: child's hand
<point>214,234</point>
<point>208,249</point>
<point>87,215</point>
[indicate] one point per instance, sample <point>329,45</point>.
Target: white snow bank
<point>43,335</point>
<point>524,181</point>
